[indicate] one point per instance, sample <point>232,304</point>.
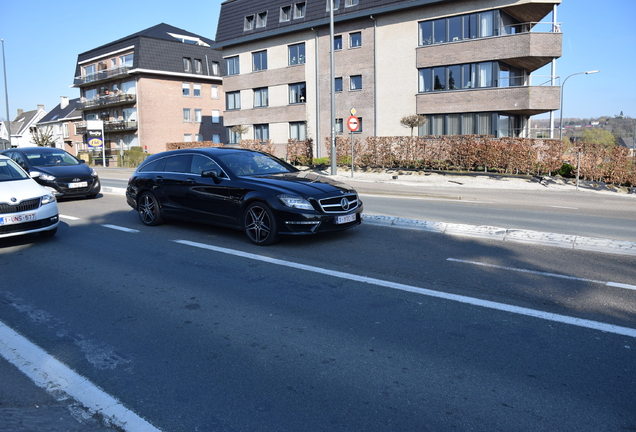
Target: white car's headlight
<point>296,202</point>
<point>47,199</point>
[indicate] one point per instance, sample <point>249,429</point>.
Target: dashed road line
<point>579,322</point>
<point>540,273</point>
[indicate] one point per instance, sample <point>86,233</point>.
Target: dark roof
<point>58,113</point>
<point>22,121</point>
<point>156,49</point>
<point>627,142</point>
<point>233,12</point>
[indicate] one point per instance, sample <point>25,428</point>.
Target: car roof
<point>39,150</point>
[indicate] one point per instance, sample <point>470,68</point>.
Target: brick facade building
<point>157,86</point>
<point>465,66</point>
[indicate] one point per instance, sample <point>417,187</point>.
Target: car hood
<point>304,183</point>
<point>81,170</point>
<point>20,190</point>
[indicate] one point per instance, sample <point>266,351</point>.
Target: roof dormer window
<point>249,23</point>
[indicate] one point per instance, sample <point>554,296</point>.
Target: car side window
<point>17,157</point>
<point>178,163</point>
<point>202,163</point>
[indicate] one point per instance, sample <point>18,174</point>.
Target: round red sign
<point>352,123</point>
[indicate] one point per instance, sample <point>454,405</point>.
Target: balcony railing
<point>109,126</point>
<point>101,75</point>
<point>106,100</point>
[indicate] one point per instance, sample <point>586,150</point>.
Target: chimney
<point>20,112</point>
<point>41,107</point>
<point>63,101</point>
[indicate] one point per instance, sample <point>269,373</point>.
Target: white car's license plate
<point>77,185</point>
<point>8,220</point>
<point>345,219</point>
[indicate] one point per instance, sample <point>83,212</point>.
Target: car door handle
<point>190,180</point>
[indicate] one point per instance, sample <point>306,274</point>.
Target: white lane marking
<point>625,331</point>
<point>69,217</point>
<point>540,273</point>
<point>562,207</point>
<point>59,380</point>
<point>120,228</point>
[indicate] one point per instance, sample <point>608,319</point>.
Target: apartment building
<point>464,65</point>
<point>157,86</point>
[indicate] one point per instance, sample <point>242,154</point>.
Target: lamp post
<point>561,109</point>
<point>6,94</point>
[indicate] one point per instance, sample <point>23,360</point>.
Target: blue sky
<point>42,41</point>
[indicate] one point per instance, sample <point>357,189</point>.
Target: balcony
<point>522,100</point>
<point>101,75</point>
<point>106,100</point>
<point>109,126</point>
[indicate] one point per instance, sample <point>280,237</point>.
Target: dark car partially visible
<point>242,189</point>
<point>57,170</point>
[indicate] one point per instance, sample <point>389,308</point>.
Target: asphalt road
<point>376,329</point>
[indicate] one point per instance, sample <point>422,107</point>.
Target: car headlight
<point>295,202</point>
<point>41,175</point>
<point>47,199</point>
<point>93,172</point>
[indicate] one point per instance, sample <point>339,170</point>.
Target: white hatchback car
<point>25,206</point>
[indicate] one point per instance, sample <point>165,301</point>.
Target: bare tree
<point>413,121</point>
<point>43,137</point>
<point>241,130</point>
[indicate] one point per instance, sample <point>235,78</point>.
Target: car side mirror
<point>82,161</point>
<point>34,174</point>
<point>214,173</point>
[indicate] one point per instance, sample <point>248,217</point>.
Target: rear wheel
<point>148,209</point>
<point>260,225</point>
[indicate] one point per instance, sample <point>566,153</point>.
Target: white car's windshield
<point>51,159</point>
<point>10,170</point>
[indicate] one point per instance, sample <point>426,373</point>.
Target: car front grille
<point>64,182</point>
<point>339,204</point>
<point>27,205</point>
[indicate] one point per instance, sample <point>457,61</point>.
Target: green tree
<point>413,121</point>
<point>599,136</point>
<point>43,137</point>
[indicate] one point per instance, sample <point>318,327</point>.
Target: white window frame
<point>185,89</point>
<point>196,90</point>
<point>187,115</point>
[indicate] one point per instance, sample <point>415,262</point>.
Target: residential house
<point>464,65</point>
<point>157,86</point>
<point>59,125</point>
<point>22,127</point>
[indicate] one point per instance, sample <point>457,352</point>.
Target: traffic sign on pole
<point>352,123</point>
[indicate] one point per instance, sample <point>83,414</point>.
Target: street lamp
<point>6,93</point>
<point>561,109</point>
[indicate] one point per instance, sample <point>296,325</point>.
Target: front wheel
<point>260,225</point>
<point>148,209</point>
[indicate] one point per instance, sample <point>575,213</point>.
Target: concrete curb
<point>504,234</point>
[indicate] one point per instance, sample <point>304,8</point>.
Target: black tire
<point>260,225</point>
<point>149,209</point>
<point>49,233</point>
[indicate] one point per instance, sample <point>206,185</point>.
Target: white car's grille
<point>27,205</point>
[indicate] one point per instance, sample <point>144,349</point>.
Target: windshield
<point>45,159</point>
<point>10,170</point>
<point>249,163</point>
